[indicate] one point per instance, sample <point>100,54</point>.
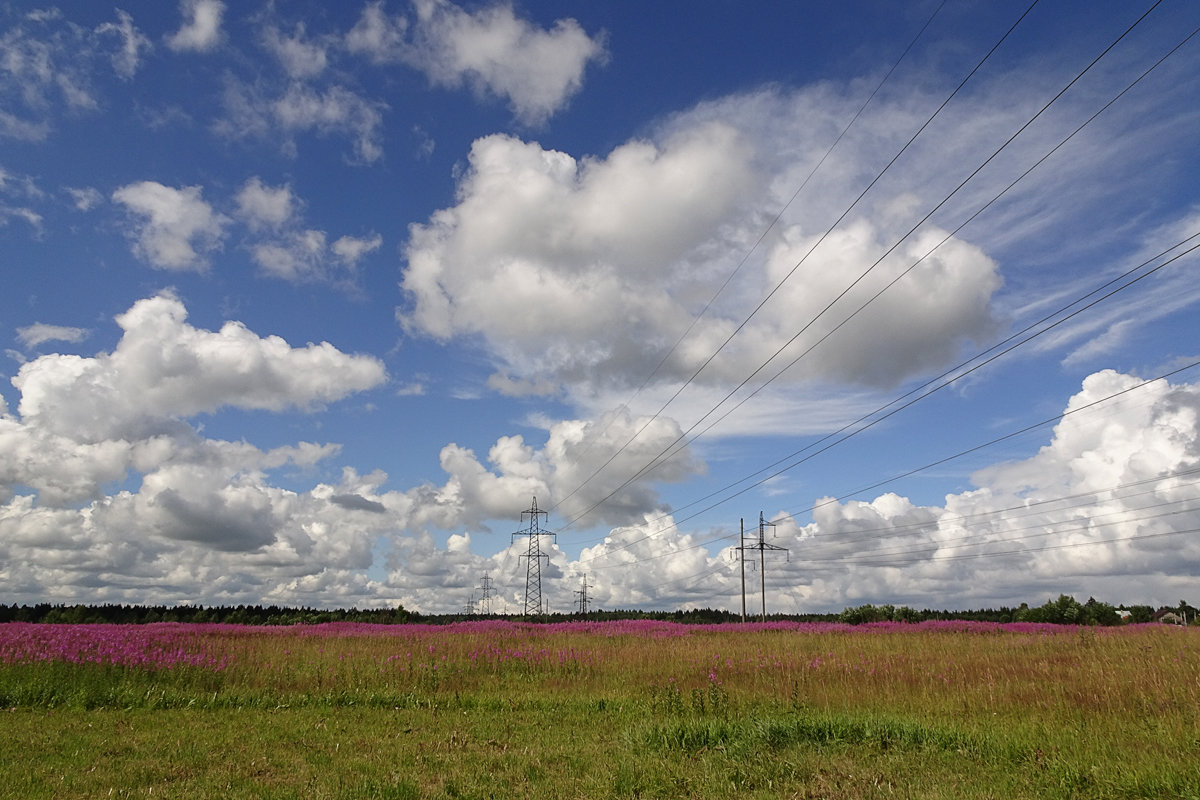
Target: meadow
<point>641,709</point>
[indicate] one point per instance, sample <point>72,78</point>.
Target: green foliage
<point>233,615</point>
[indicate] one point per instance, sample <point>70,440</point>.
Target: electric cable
<point>729,278</point>
<point>1012,434</point>
<point>666,452</point>
<point>822,238</point>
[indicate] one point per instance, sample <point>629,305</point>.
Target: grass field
<point>599,710</point>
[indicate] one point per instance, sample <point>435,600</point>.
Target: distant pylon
<point>485,600</point>
<point>582,596</point>
<point>533,557</point>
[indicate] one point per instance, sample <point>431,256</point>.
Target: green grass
<point>717,714</point>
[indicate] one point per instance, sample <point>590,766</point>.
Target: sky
<point>309,303</point>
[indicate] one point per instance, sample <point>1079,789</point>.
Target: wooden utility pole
<point>761,546</point>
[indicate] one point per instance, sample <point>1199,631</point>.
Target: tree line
<point>81,614</point>
<point>1064,610</point>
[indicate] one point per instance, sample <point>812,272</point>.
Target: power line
<point>822,238</point>
<point>947,378</point>
<point>729,278</point>
<point>676,446</point>
<point>762,546</point>
<point>1049,528</point>
<point>672,448</point>
<point>961,453</point>
<point>912,529</point>
<point>953,370</point>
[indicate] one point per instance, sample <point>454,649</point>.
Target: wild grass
<point>501,709</point>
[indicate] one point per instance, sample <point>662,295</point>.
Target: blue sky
<point>304,303</point>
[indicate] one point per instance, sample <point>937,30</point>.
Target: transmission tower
<point>582,597</point>
<point>485,600</point>
<point>761,546</point>
<point>533,559</point>
<point>469,608</point>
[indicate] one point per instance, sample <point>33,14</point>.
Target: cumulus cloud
<point>171,228</point>
<point>164,369</point>
<point>356,502</point>
<point>569,470</point>
<point>201,29</point>
<point>261,206</point>
<point>642,236</point>
<point>297,257</point>
<point>1108,507</point>
<point>283,247</point>
<point>1104,508</point>
<point>493,51</point>
<point>338,109</point>
<point>350,249</point>
<point>85,425</point>
<point>619,229</point>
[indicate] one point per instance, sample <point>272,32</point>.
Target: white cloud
<point>261,206</point>
<point>208,504</point>
<point>514,471</point>
<point>173,228</point>
<point>84,424</point>
<point>252,111</point>
<point>1107,508</point>
<point>39,333</point>
<point>48,67</point>
<point>491,49</point>
<point>281,245</point>
<point>644,233</point>
<point>337,110</point>
<point>164,369</point>
<point>41,71</point>
<point>24,189</point>
<point>299,57</point>
<point>126,60</point>
<point>642,236</point>
<point>201,29</point>
<point>617,228</point>
<point>350,249</point>
<point>27,215</point>
<point>377,35</point>
<point>537,71</point>
<point>86,198</point>
<point>299,256</point>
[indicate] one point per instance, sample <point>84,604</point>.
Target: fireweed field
<point>595,710</point>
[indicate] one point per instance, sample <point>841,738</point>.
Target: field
<point>599,710</point>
